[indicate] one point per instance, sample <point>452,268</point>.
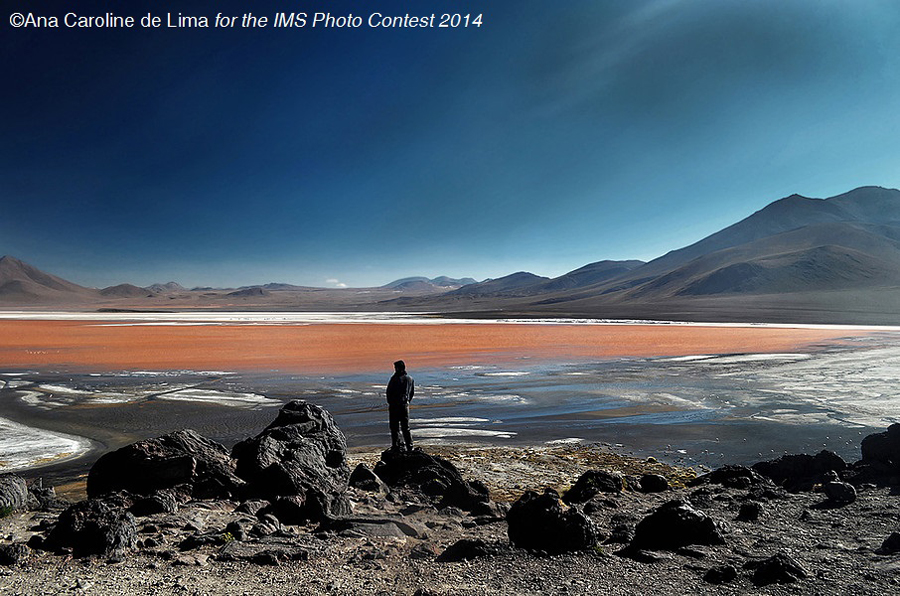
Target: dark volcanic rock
<point>433,476</point>
<point>467,549</point>
<point>839,493</point>
<point>749,512</point>
<point>722,574</point>
<point>740,477</point>
<point>162,501</point>
<point>301,454</point>
<point>653,483</point>
<point>891,544</point>
<point>538,522</point>
<point>94,527</point>
<point>13,554</point>
<point>13,493</point>
<point>883,448</point>
<point>800,472</point>
<point>779,568</point>
<point>673,525</point>
<point>41,498</point>
<point>593,482</point>
<point>365,479</point>
<point>184,459</point>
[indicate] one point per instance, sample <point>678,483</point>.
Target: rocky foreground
<point>282,513</point>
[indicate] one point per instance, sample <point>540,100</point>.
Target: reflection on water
<point>697,409</point>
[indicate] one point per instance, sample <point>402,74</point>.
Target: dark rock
<point>839,493</point>
<point>890,545</point>
<point>799,473</point>
<point>185,459</point>
<point>13,554</point>
<point>365,479</point>
<point>41,498</point>
<point>252,507</point>
<point>883,448</point>
<point>653,483</point>
<point>467,549</point>
<point>301,454</point>
<point>13,494</point>
<point>749,511</point>
<point>239,529</point>
<point>739,477</point>
<point>779,568</point>
<point>431,475</point>
<point>722,574</point>
<point>162,501</point>
<point>538,523</point>
<point>195,541</point>
<point>673,525</point>
<point>641,556</point>
<point>94,527</point>
<point>593,482</point>
<point>373,527</point>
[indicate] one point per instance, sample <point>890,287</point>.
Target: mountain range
<point>798,259</point>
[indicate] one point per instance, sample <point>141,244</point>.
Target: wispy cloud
<point>335,282</point>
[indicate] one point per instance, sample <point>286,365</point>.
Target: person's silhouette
<point>400,391</point>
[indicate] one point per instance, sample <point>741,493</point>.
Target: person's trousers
<point>399,420</point>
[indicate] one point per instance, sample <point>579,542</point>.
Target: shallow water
<point>698,409</point>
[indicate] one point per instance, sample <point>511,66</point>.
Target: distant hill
<point>125,291</point>
<point>20,283</point>
<point>424,283</point>
<point>507,285</point>
<point>166,287</point>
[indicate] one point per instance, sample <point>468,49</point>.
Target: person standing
<point>400,391</point>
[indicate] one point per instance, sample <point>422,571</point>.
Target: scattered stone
<point>801,472</point>
<point>749,512</point>
<point>266,552</point>
<point>13,554</point>
<point>538,523</point>
<point>252,506</point>
<point>423,551</point>
<point>301,454</point>
<point>197,466</point>
<point>593,482</point>
<point>839,493</point>
<point>721,574</point>
<point>467,549</point>
<point>780,568</point>
<point>653,483</point>
<point>373,527</point>
<point>730,476</point>
<point>13,494</point>
<point>673,525</point>
<point>94,527</point>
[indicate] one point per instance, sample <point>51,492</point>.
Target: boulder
<point>883,448</point>
<point>891,544</point>
<point>839,493</point>
<point>749,512</point>
<point>13,494</point>
<point>722,574</point>
<point>731,476</point>
<point>653,483</point>
<point>800,472</point>
<point>161,501</point>
<point>13,554</point>
<point>365,479</point>
<point>94,527</point>
<point>184,459</point>
<point>779,568</point>
<point>41,498</point>
<point>539,523</point>
<point>467,549</point>
<point>592,483</point>
<point>433,476</point>
<point>673,525</point>
<point>302,454</point>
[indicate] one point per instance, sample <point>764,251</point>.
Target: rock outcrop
<point>300,461</point>
<point>593,482</point>
<point>13,493</point>
<point>800,472</point>
<point>184,460</point>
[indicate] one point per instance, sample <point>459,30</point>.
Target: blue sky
<point>555,135</point>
